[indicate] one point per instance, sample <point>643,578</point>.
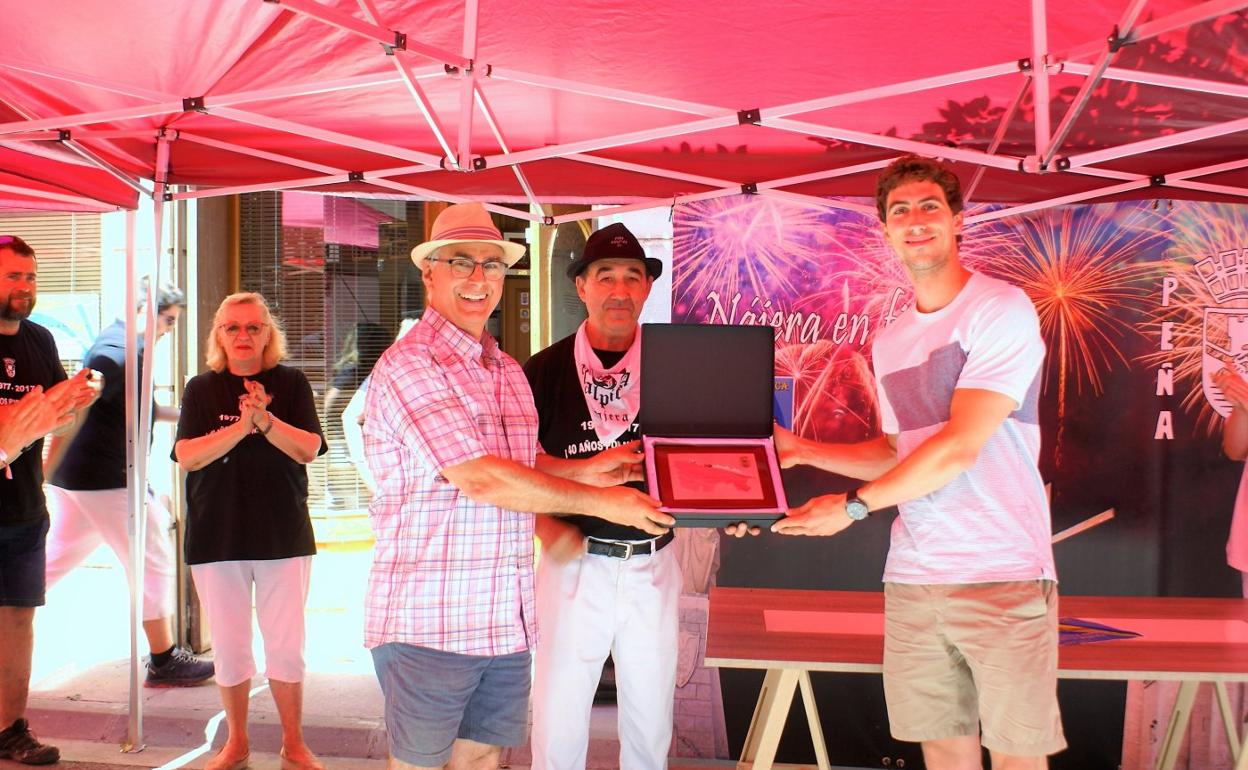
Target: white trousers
<point>84,518</point>
<point>588,608</point>
<point>281,591</point>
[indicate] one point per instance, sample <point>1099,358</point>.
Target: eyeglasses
<point>232,330</point>
<point>462,267</point>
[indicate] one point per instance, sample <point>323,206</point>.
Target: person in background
<point>361,348</point>
<point>88,502</point>
<point>353,418</point>
<point>247,431</point>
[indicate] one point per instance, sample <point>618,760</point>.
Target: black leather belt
<point>625,550</point>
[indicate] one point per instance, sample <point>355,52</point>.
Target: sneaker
<point>183,669</point>
<point>19,744</point>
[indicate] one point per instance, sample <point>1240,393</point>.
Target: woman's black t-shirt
<point>252,503</point>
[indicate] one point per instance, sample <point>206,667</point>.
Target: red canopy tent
<point>638,104</point>
<point>643,103</point>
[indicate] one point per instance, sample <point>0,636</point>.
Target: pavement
<point>80,682</point>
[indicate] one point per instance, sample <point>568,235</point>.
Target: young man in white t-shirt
<point>970,589</point>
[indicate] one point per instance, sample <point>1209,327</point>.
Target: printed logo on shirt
<point>10,367</point>
<point>606,388</point>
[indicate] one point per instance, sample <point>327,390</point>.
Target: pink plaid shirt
<point>448,572</point>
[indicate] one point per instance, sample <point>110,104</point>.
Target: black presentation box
<point>706,417</point>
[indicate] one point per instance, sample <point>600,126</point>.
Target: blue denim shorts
<point>23,563</point>
<point>434,697</point>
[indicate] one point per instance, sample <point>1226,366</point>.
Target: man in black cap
<point>601,587</point>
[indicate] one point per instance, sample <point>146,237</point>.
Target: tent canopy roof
<point>639,103</point>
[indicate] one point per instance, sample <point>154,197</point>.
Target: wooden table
<point>790,633</point>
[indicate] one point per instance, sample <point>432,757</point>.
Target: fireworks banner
<point>1140,304</point>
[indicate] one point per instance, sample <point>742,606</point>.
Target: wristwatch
<point>855,507</point>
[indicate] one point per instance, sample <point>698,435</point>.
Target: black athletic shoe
<point>183,669</point>
<point>19,744</point>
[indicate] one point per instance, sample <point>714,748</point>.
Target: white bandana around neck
<point>612,395</point>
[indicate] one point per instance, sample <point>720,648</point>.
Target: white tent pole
<point>894,89</point>
<point>1060,201</point>
<point>334,137</point>
<point>606,92</point>
<point>311,165</point>
<point>602,143</point>
<point>80,150</point>
<point>1158,143</point>
<point>1219,189</point>
<point>71,141</point>
<point>1006,162</point>
<point>330,171</point>
<point>997,138</point>
<point>382,35</point>
<point>1184,18</point>
<point>134,731</point>
<point>77,200</point>
<point>54,73</point>
<point>426,110</point>
<point>289,184</point>
<point>141,413</point>
<point>623,165</point>
<point>86,118</point>
<point>817,202</point>
<point>832,173</point>
<point>417,93</point>
<point>1121,33</point>
<point>1040,76</point>
<point>327,86</point>
<point>238,97</point>
<point>468,86</point>
<point>1165,81</point>
<point>1217,168</point>
<point>653,203</point>
<point>95,160</point>
<point>49,135</point>
<point>492,121</point>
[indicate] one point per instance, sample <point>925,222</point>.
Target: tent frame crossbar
<point>1121,33</point>
<point>472,96</point>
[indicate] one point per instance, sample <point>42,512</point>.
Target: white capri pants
<point>587,608</point>
<point>281,591</point>
<point>84,518</point>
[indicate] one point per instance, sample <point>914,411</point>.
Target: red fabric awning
<point>645,101</point>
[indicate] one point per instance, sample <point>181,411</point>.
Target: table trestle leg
<point>770,714</point>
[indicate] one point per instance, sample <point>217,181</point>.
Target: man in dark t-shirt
<point>601,587</point>
<point>28,364</point>
<point>89,504</point>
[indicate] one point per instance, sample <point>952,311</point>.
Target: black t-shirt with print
<point>27,358</point>
<point>96,457</point>
<point>251,503</point>
<point>564,425</point>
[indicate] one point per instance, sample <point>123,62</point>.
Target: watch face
<point>856,509</point>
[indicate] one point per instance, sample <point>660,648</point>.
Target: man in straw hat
<point>602,588</point>
<point>451,439</point>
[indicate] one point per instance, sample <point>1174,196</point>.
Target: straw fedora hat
<point>466,223</point>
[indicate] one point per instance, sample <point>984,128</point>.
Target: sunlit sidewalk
<point>80,682</point>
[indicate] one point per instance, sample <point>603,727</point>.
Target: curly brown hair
<point>912,168</point>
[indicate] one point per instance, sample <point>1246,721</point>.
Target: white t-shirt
<point>991,523</point>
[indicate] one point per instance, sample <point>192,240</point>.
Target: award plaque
<point>726,480</point>
<point>706,417</point>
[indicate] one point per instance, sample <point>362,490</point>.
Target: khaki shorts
<point>979,658</point>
